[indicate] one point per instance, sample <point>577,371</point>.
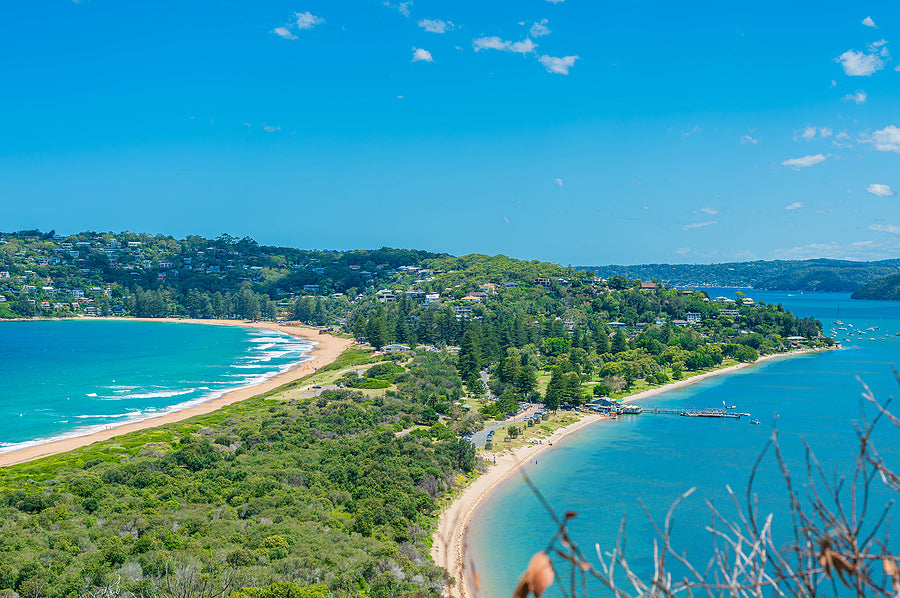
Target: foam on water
<point>148,369</point>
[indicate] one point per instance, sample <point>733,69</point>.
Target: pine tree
<point>470,353</point>
<point>619,342</point>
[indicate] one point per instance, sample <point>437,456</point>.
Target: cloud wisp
<point>804,161</point>
<point>539,29</point>
<point>864,64</point>
<point>880,190</point>
<point>559,65</point>
<point>859,97</point>
<point>795,206</point>
<point>302,21</point>
<point>525,46</point>
<point>436,25</point>
<point>693,225</point>
<point>421,55</point>
<point>885,140</point>
<point>885,228</point>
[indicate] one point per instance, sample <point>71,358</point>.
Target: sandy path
<point>325,351</point>
<point>449,543</point>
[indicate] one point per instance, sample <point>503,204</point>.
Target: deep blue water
<point>604,470</point>
<point>64,378</point>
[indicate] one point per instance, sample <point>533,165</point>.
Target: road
<point>479,438</point>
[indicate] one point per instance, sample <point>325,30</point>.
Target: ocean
<point>67,378</point>
<point>606,472</point>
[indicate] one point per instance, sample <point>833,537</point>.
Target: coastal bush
<point>313,486</point>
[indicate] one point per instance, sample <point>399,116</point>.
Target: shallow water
<point>65,378</point>
<point>605,471</point>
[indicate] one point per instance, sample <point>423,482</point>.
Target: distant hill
<point>887,288</point>
<point>777,275</point>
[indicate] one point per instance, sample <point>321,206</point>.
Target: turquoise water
<point>66,378</point>
<point>604,470</point>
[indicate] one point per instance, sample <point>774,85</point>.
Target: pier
<point>691,412</point>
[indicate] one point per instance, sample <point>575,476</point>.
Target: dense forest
<point>777,275</point>
<point>887,289</point>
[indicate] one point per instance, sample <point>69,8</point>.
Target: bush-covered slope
<point>887,288</point>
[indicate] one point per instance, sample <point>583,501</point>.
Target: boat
<point>630,409</point>
<point>728,406</point>
<point>754,422</point>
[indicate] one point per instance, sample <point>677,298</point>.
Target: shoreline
<point>326,349</point>
<point>449,541</point>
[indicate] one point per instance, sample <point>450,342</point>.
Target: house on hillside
<point>395,349</point>
<point>693,317</point>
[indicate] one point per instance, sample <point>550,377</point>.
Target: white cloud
<point>748,139</point>
<point>693,131</point>
<point>539,29</point>
<point>699,224</point>
<point>307,20</point>
<point>559,65</point>
<point>794,206</point>
<point>885,228</point>
<point>880,190</point>
<point>270,128</point>
<point>495,43</point>
<point>808,133</point>
<point>555,1</point>
<point>860,64</point>
<point>284,32</point>
<point>859,97</point>
<point>436,26</point>
<point>558,182</point>
<point>825,132</point>
<point>712,211</point>
<point>868,22</point>
<point>402,8</point>
<point>886,140</point>
<point>421,55</point>
<point>302,20</point>
<point>682,250</point>
<point>805,161</point>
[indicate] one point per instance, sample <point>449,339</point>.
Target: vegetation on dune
<point>319,490</point>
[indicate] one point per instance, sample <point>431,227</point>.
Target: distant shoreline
<point>449,544</point>
<point>325,350</point>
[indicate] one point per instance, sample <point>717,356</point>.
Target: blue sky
<point>571,131</point>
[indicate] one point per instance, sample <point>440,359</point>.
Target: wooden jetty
<point>691,412</point>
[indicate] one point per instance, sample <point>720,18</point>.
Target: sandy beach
<point>449,541</point>
<point>326,350</point>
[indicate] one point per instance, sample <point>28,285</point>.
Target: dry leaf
<point>890,569</point>
<point>537,577</point>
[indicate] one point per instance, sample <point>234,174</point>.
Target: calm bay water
<point>604,470</point>
<point>64,378</point>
